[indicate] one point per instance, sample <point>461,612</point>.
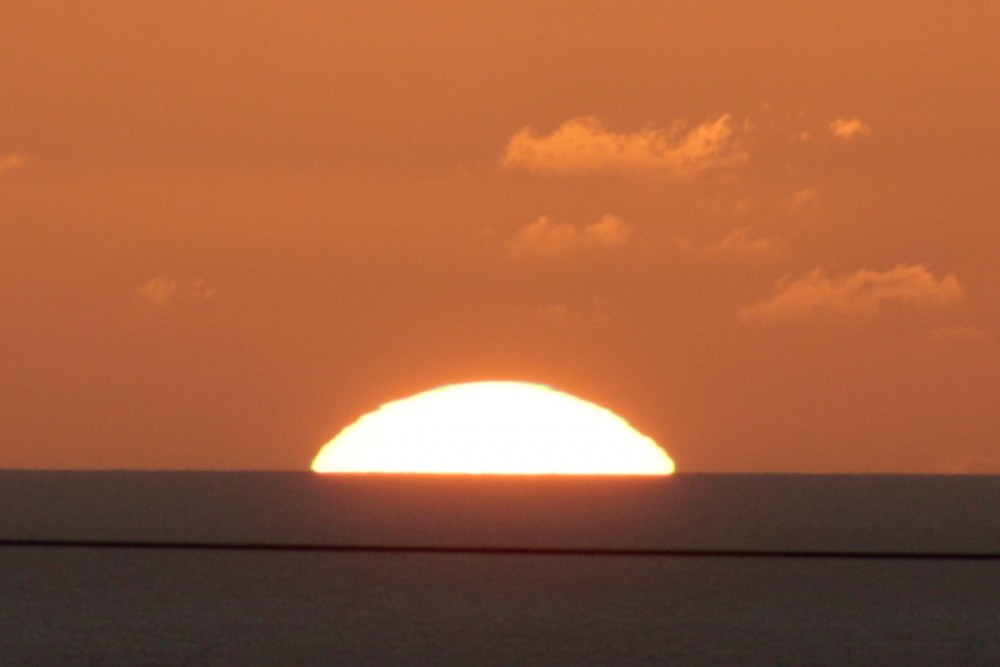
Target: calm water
<point>87,606</point>
<point>763,512</point>
<point>117,606</point>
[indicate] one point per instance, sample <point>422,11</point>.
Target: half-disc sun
<point>493,428</point>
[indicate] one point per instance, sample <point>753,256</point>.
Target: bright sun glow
<point>493,428</point>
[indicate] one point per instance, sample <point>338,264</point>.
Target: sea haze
<point>738,569</point>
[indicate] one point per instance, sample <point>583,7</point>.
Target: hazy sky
<point>764,232</point>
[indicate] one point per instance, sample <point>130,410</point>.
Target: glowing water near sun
<point>493,428</point>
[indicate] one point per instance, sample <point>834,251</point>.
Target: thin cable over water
<point>497,550</point>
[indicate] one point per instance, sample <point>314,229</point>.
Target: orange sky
<point>764,232</point>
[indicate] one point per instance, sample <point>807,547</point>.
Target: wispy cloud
<point>161,291</point>
<point>849,129</point>
<point>804,198</point>
<point>804,203</point>
<point>860,293</point>
<point>559,313</point>
<point>11,162</point>
<point>546,238</point>
<point>739,243</point>
<point>961,333</point>
<point>583,145</point>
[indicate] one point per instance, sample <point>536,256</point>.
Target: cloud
<point>739,243</point>
<point>160,291</point>
<point>803,203</point>
<point>582,145</point>
<point>545,238</point>
<point>804,198</point>
<point>559,313</point>
<point>860,293</point>
<point>11,162</point>
<point>849,129</point>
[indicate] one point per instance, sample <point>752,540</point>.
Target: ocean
<point>311,570</point>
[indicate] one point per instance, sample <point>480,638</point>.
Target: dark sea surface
<point>779,570</point>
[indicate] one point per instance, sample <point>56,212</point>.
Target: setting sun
<point>493,428</point>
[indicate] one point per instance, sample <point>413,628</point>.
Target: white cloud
<point>849,129</point>
<point>739,243</point>
<point>11,162</point>
<point>583,145</point>
<point>545,238</point>
<point>160,291</point>
<point>860,293</point>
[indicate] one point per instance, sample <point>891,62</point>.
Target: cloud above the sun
<point>583,145</point>
<point>545,238</point>
<point>862,293</point>
<point>850,129</point>
<point>11,162</point>
<point>741,242</point>
<point>161,291</point>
